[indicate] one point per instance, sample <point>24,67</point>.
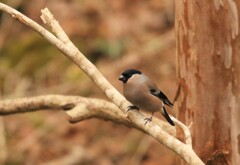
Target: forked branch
<point>78,109</point>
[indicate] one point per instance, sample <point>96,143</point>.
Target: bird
<point>144,94</point>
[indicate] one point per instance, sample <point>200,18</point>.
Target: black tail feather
<point>165,114</point>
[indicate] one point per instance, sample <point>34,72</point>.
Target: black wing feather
<point>161,96</point>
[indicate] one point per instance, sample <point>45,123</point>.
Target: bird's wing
<point>152,87</point>
<point>164,98</point>
<point>156,92</point>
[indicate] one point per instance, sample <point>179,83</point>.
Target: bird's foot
<point>132,107</point>
<point>148,120</point>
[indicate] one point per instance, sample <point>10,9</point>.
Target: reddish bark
<point>208,58</point>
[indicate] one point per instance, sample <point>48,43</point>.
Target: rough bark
<point>208,58</point>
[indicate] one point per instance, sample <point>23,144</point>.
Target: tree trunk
<point>208,58</point>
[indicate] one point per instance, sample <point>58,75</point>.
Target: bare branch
<point>77,108</point>
<point>21,105</point>
<point>82,62</point>
<point>57,29</point>
<point>188,138</point>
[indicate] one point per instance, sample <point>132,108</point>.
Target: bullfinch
<point>143,93</point>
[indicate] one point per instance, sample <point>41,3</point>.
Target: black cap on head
<point>127,74</point>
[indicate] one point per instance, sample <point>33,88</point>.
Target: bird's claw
<point>132,107</point>
<point>148,120</point>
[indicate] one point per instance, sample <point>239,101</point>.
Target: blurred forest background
<point>114,35</point>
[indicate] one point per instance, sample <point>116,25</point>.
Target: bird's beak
<point>122,78</point>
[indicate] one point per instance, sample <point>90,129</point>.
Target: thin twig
<point>188,138</point>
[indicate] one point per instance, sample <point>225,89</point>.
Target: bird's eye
<point>127,75</point>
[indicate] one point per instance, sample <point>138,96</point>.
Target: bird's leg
<point>148,119</point>
<point>132,107</point>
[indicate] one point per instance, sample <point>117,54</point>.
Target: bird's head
<point>128,74</point>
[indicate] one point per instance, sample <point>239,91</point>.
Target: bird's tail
<point>165,114</point>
